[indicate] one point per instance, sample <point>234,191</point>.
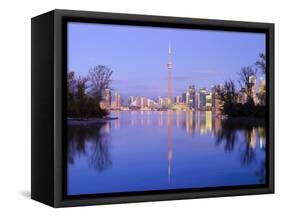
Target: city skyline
<point>147,83</point>
<point>191,98</point>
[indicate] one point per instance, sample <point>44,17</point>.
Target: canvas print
<point>154,108</point>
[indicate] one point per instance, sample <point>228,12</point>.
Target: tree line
<point>229,97</point>
<point>84,93</point>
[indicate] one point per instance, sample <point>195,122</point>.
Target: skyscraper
<point>130,100</point>
<point>138,101</point>
<point>184,97</point>
<point>209,101</point>
<point>160,102</point>
<point>216,101</point>
<point>262,91</point>
<point>197,101</point>
<point>117,100</point>
<point>253,81</point>
<point>202,98</point>
<point>191,97</point>
<point>177,99</point>
<point>169,65</point>
<point>144,102</point>
<point>107,96</point>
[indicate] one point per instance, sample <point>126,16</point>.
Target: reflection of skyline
<point>93,141</point>
<point>202,122</point>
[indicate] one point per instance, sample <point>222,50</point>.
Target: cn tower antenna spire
<point>169,65</point>
<point>170,49</point>
<point>170,53</point>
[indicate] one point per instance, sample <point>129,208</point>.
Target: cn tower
<point>169,65</point>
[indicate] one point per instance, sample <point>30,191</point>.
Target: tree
<point>81,97</point>
<point>261,63</point>
<point>245,81</point>
<point>228,98</point>
<point>84,93</point>
<point>71,81</point>
<point>100,78</point>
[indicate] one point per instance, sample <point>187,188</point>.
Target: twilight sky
<point>138,56</point>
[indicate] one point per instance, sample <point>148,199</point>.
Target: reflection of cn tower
<point>170,102</point>
<point>169,143</point>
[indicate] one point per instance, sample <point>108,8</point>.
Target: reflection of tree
<point>248,155</point>
<point>261,173</point>
<point>76,142</point>
<point>229,135</point>
<point>100,156</point>
<point>98,151</point>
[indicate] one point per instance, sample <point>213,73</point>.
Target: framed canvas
<point>134,108</point>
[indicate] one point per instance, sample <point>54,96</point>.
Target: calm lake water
<point>154,150</point>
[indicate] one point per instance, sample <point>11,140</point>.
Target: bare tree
<point>81,96</point>
<point>228,98</point>
<point>245,80</point>
<point>71,83</point>
<point>71,80</point>
<point>100,78</point>
<point>261,63</point>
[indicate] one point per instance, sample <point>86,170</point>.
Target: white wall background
<point>15,106</point>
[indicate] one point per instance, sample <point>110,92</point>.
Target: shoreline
<point>90,120</point>
<point>244,121</point>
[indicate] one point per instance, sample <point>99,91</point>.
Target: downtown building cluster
<point>192,99</point>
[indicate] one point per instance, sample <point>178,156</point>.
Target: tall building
<point>209,102</point>
<point>216,101</point>
<point>138,101</point>
<point>130,100</point>
<point>253,82</point>
<point>144,102</point>
<point>151,104</point>
<point>191,97</point>
<point>262,92</point>
<point>184,97</point>
<point>177,99</point>
<point>107,96</point>
<point>197,101</point>
<point>169,65</point>
<point>202,98</point>
<point>118,102</point>
<point>168,102</point>
<point>160,102</point>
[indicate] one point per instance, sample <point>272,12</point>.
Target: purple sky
<point>138,56</point>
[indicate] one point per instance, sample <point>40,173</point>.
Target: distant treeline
<point>84,93</point>
<point>229,96</point>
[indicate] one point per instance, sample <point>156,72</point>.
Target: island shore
<point>78,121</point>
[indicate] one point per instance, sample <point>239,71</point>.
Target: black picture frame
<point>48,70</point>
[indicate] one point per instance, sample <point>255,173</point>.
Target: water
<point>153,150</point>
